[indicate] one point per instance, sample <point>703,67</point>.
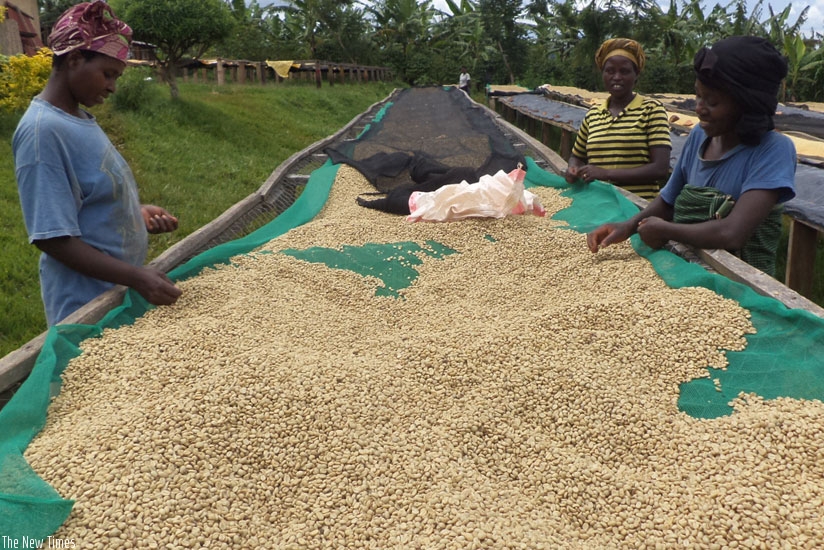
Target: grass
<point>195,157</point>
<point>21,310</point>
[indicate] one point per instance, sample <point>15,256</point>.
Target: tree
<point>742,24</point>
<point>303,20</point>
<point>556,27</point>
<point>50,11</point>
<point>314,23</point>
<point>177,27</point>
<point>500,21</point>
<point>349,36</point>
<point>460,38</point>
<point>255,35</point>
<point>239,8</point>
<point>402,30</point>
<point>800,61</point>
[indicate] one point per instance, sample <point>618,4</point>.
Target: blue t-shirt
<point>768,165</point>
<point>73,182</point>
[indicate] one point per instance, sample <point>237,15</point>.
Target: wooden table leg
<point>801,257</point>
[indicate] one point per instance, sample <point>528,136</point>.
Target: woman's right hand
<point>156,287</point>
<point>571,174</point>
<point>608,234</point>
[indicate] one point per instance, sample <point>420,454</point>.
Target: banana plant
<point>800,61</point>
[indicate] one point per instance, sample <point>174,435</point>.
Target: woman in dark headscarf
<point>625,140</point>
<point>735,171</point>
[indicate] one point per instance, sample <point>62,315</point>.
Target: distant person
<point>625,140</point>
<point>79,197</point>
<point>735,170</point>
<point>463,80</point>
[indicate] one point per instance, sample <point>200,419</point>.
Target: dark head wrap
<point>626,47</point>
<point>91,26</point>
<point>750,69</point>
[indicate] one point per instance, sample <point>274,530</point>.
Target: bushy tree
<point>177,27</point>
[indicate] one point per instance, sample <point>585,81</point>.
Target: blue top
<point>768,165</point>
<point>73,182</point>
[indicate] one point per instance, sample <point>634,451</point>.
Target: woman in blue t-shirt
<point>735,171</point>
<point>78,195</point>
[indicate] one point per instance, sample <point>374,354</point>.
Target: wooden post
<point>330,74</point>
<point>220,70</point>
<point>318,78</point>
<point>566,143</point>
<point>800,272</point>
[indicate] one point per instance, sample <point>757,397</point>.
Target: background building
<point>20,32</point>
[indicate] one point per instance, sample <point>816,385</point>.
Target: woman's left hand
<point>590,173</point>
<point>157,219</point>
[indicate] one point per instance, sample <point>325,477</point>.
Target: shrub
<point>22,77</point>
<point>136,90</point>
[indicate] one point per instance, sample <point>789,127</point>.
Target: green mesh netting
<point>780,360</point>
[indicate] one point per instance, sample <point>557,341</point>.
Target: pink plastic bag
<point>494,196</point>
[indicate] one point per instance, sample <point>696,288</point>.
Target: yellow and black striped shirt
<point>624,141</point>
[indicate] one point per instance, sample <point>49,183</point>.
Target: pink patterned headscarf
<point>91,26</point>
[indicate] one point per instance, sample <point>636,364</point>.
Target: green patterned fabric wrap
<point>698,204</point>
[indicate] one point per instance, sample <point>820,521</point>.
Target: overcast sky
<point>815,17</point>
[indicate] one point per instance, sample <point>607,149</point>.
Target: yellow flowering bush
<point>22,77</point>
<point>2,13</point>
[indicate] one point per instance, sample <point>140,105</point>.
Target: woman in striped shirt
<point>625,140</point>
